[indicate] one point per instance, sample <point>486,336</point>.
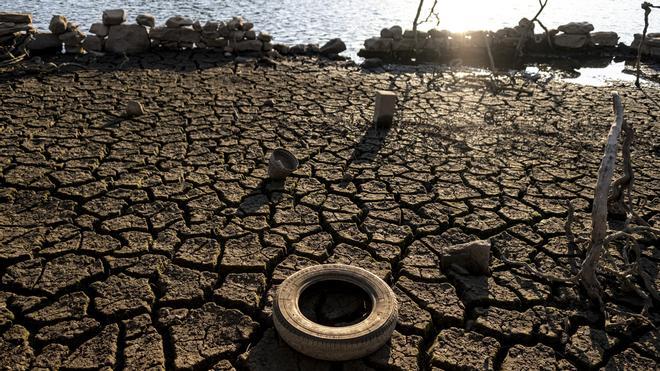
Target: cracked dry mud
<point>157,242</point>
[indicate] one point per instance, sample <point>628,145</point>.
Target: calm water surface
<point>293,21</point>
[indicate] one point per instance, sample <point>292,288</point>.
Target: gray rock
<point>197,26</point>
<point>72,38</point>
<point>438,34</point>
<point>129,39</point>
<point>236,23</point>
<point>247,26</point>
<point>334,46</point>
<point>93,44</point>
<point>175,34</point>
<point>378,44</point>
<point>404,45</point>
<point>576,28</point>
<point>251,35</point>
<point>249,46</point>
<point>265,37</point>
<point>386,33</point>
<point>17,18</point>
<point>58,24</point>
<point>237,35</point>
<point>570,41</point>
<point>604,38</point>
<point>472,256</point>
<point>178,21</point>
<point>268,46</point>
<point>146,20</point>
<point>134,108</point>
<point>45,42</point>
<point>282,48</point>
<point>112,17</point>
<point>409,34</point>
<point>397,32</point>
<point>372,63</point>
<point>99,29</point>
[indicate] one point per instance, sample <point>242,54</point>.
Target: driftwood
<point>602,239</point>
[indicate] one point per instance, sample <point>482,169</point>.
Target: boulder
<point>438,34</point>
<point>409,34</point>
<point>211,27</point>
<point>386,33</point>
<point>372,63</point>
<point>112,17</point>
<point>236,35</point>
<point>397,32</point>
<point>268,46</point>
<point>93,43</point>
<point>378,44</point>
<point>215,43</point>
<point>197,26</point>
<point>10,28</point>
<point>251,35</point>
<point>178,21</point>
<point>99,29</point>
<point>604,38</point>
<point>72,38</point>
<point>146,20</point>
<point>570,41</point>
<point>334,46</point>
<point>405,45</point>
<point>247,26</point>
<point>45,42</point>
<point>282,48</point>
<point>576,28</point>
<point>249,46</point>
<point>265,37</point>
<point>16,18</point>
<point>236,23</point>
<point>127,38</point>
<point>58,24</point>
<point>175,34</point>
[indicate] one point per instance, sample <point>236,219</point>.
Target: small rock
<point>372,63</point>
<point>247,26</point>
<point>576,28</point>
<point>571,41</point>
<point>113,17</point>
<point>282,48</point>
<point>58,24</point>
<point>265,37</point>
<point>438,34</point>
<point>604,38</point>
<point>334,46</point>
<point>269,103</point>
<point>146,20</point>
<point>236,23</point>
<point>178,21</point>
<point>99,29</point>
<point>134,109</point>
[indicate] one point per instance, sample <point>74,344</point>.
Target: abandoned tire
<point>335,343</point>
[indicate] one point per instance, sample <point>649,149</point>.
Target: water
<point>307,21</point>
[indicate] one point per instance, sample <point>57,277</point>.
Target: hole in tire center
<point>335,303</point>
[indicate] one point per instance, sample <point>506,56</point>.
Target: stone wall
<point>114,35</point>
<point>573,39</point>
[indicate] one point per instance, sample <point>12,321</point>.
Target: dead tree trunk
<point>587,273</point>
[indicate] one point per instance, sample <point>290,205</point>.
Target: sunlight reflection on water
<point>307,21</point>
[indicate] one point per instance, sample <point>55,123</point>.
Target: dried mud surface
<point>157,242</point>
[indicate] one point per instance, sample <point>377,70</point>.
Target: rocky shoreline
<point>507,47</point>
